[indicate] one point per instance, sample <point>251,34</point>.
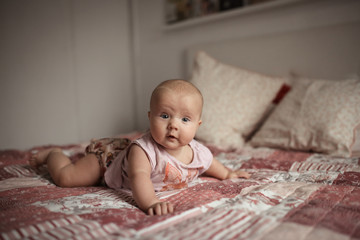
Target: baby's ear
<point>200,122</point>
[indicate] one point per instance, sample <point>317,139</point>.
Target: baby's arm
<point>139,171</point>
<point>219,171</point>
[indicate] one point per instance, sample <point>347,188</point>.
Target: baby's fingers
<point>243,174</point>
<point>155,209</point>
<point>150,211</point>
<point>161,208</point>
<point>170,207</point>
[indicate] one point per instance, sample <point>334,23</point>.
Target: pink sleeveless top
<point>167,172</point>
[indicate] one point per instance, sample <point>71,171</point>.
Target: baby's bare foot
<point>39,158</point>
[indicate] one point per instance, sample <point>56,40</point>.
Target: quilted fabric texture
<point>235,100</point>
<point>317,115</point>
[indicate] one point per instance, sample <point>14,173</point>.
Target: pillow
<point>235,101</point>
<point>355,148</point>
<point>316,115</point>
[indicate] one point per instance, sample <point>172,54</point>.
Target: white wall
<point>65,72</point>
<point>66,67</point>
<point>163,51</point>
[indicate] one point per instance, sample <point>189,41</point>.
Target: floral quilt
<point>291,195</point>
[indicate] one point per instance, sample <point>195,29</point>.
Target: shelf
<point>228,14</point>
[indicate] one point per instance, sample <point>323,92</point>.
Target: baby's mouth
<point>171,137</point>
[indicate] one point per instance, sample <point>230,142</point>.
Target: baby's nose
<point>173,124</point>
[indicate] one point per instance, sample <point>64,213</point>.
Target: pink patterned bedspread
<point>291,195</point>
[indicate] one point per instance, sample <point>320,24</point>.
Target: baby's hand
<point>238,174</point>
<point>160,208</point>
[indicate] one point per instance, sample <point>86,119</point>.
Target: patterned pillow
<point>317,115</point>
<point>235,101</point>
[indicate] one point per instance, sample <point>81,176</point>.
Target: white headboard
<point>330,52</point>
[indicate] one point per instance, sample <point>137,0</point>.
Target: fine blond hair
<point>178,86</point>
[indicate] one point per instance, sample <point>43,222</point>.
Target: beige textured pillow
<point>235,100</point>
<point>355,148</point>
<point>317,115</point>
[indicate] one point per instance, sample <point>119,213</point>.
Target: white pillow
<point>316,115</point>
<point>235,101</point>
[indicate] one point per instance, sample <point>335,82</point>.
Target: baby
<point>165,158</point>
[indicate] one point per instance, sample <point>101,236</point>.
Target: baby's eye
<point>185,119</point>
<point>164,116</point>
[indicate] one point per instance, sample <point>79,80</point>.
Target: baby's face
<point>174,118</point>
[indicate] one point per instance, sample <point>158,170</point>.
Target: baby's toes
<point>32,161</point>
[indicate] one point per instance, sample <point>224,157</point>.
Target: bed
<point>300,145</point>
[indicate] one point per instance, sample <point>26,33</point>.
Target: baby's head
<point>175,113</point>
<point>179,87</point>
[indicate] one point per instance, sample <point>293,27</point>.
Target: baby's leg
<point>84,172</point>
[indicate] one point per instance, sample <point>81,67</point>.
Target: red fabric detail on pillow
<point>281,93</point>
